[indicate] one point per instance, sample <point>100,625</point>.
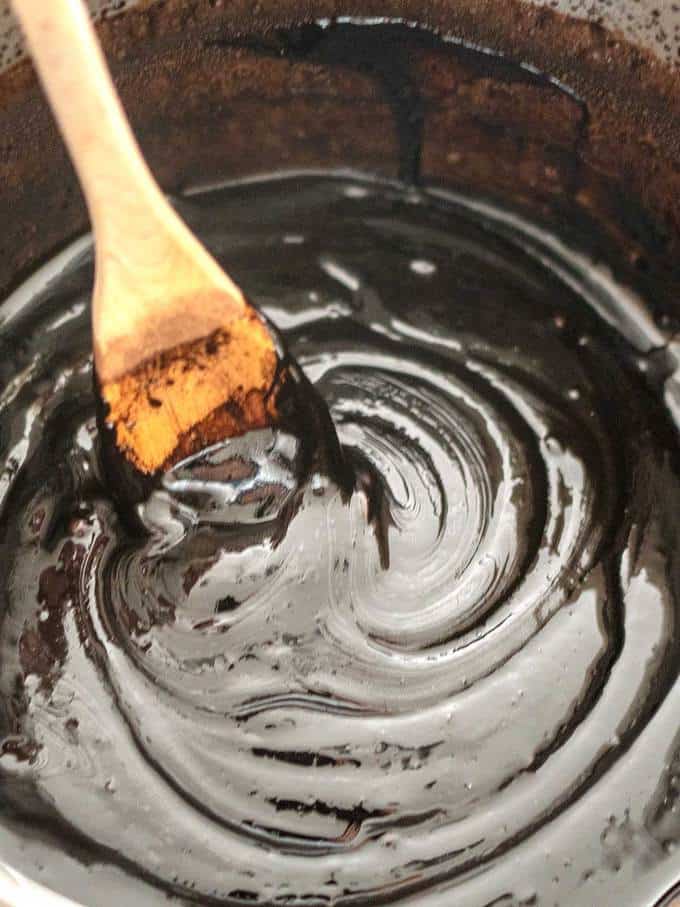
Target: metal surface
<point>650,24</point>
<point>653,24</point>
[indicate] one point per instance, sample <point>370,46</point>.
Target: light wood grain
<point>157,290</point>
<point>146,256</point>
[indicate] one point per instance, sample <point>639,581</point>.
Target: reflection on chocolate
<point>454,676</point>
<point>434,663</point>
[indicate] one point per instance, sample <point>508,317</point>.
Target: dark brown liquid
<point>443,670</point>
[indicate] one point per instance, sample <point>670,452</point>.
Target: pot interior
<point>565,126</point>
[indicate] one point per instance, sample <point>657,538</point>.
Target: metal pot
<point>218,89</point>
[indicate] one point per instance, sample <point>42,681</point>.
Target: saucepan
<point>222,89</point>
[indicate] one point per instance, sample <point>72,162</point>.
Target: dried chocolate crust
<point>213,94</point>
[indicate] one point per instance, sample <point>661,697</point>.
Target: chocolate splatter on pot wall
<point>190,81</point>
<point>454,676</point>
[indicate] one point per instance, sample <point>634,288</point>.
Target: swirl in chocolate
<point>438,666</point>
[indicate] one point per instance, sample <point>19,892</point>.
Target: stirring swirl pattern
<point>456,678</point>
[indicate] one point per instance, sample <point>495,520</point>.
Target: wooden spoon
<point>182,361</point>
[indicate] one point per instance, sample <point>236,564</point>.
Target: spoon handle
<point>71,64</point>
<point>146,257</point>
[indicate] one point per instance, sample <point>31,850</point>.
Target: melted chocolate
<point>440,667</point>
